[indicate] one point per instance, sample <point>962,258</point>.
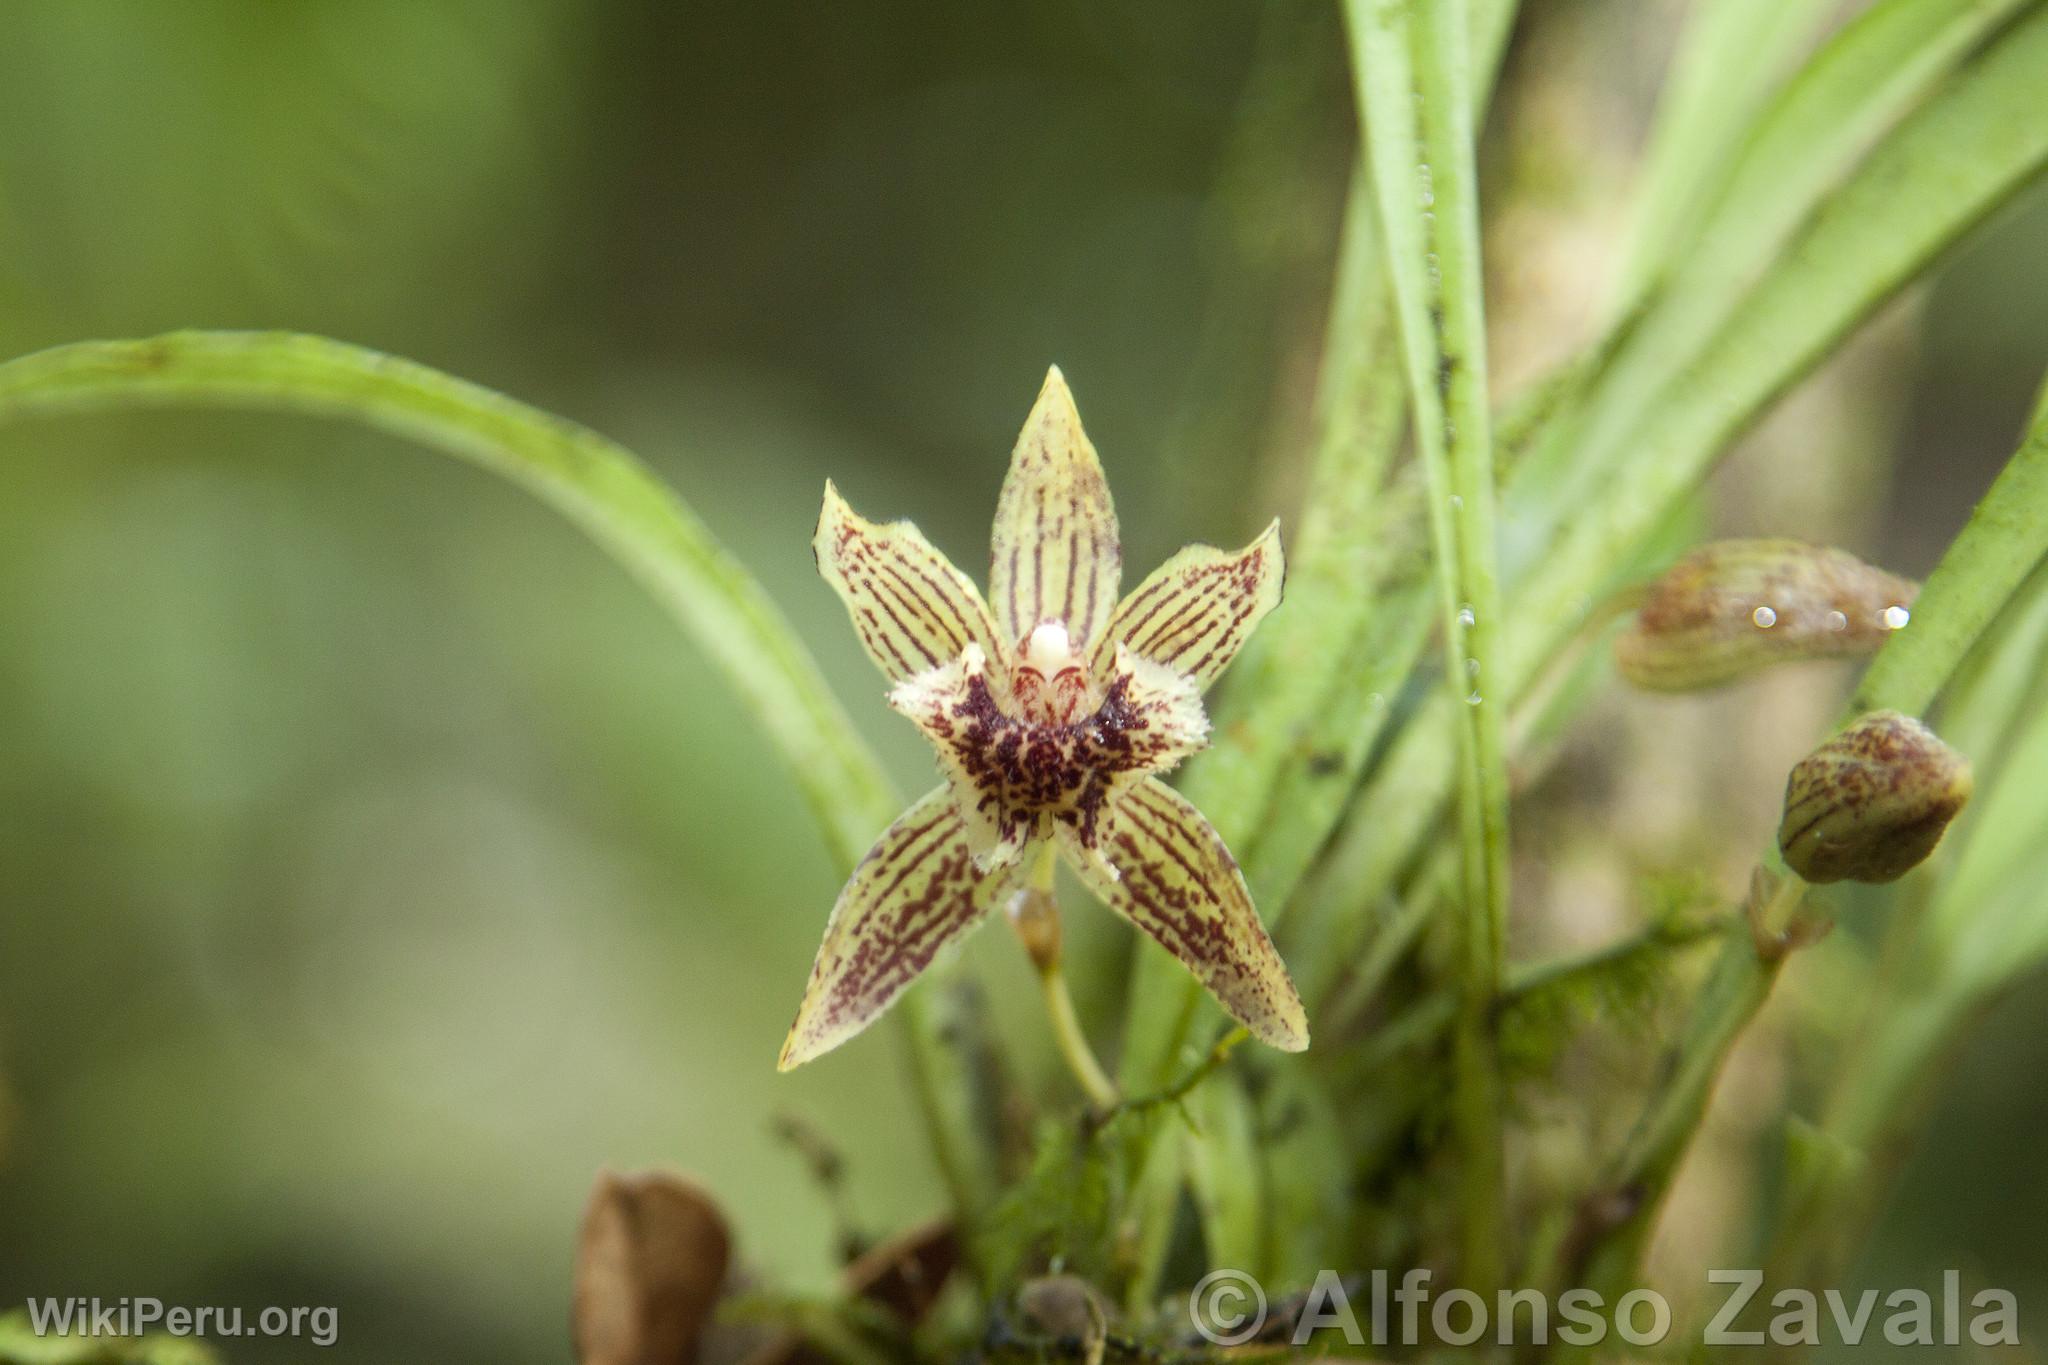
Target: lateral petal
<point>1054,553</point>
<point>982,751</point>
<point>1194,611</point>
<point>1178,883</point>
<point>912,609</point>
<point>916,891</point>
<point>1150,719</point>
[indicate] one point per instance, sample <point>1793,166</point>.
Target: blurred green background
<point>376,863</point>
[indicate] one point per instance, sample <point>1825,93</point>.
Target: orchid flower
<point>1053,707</point>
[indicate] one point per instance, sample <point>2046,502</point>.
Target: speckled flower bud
<point>1871,803</point>
<point>1731,607</point>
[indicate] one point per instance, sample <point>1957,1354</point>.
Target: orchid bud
<point>1871,803</point>
<point>1731,607</point>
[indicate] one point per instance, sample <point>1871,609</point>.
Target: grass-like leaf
<point>1727,60</point>
<point>612,496</point>
<point>1297,717</point>
<point>1941,173</point>
<point>1412,65</point>
<point>1805,140</point>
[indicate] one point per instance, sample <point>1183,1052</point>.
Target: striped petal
<point>1177,882</point>
<point>1054,554</point>
<point>916,891</point>
<point>1194,611</point>
<point>912,609</point>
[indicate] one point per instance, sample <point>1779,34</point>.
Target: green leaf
<point>1226,1176</point>
<point>1938,175</point>
<point>1728,58</point>
<point>1411,62</point>
<point>1297,719</point>
<point>1809,136</point>
<point>2002,680</point>
<point>1287,718</point>
<point>592,481</point>
<point>2005,538</point>
<point>1942,172</point>
<point>617,501</point>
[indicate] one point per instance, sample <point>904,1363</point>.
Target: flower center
<point>1049,683</point>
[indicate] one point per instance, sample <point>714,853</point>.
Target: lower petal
<point>1175,880</point>
<point>955,708</point>
<point>916,891</point>
<point>1150,719</point>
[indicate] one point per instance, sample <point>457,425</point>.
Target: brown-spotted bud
<point>1871,803</point>
<point>650,1262</point>
<point>1731,607</point>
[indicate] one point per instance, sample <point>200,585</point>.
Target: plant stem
<point>1073,1044</point>
<point>1412,66</point>
<point>1042,942</point>
<point>1185,1086</point>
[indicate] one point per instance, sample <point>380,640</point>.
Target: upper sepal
<point>1054,553</point>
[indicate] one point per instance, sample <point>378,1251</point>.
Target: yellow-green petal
<point>915,892</point>
<point>1176,881</point>
<point>911,608</point>
<point>1054,554</point>
<point>1195,611</point>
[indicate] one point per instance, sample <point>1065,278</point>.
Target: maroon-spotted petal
<point>1054,554</point>
<point>1177,882</point>
<point>912,609</point>
<point>1197,609</point>
<point>916,891</point>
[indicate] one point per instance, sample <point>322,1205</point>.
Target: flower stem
<point>1035,916</point>
<point>1066,1031</point>
<point>1185,1086</point>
